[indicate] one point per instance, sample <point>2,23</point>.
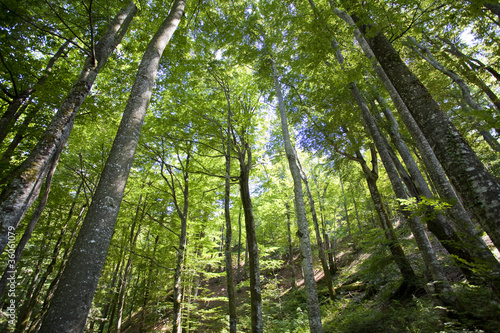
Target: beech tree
<point>132,223</point>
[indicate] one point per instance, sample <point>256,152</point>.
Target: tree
<point>93,240</point>
<point>24,188</point>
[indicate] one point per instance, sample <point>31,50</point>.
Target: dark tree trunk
<point>245,159</point>
<point>477,187</point>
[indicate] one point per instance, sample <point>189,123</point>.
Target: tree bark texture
<point>477,187</point>
<point>23,190</point>
<point>313,311</point>
<point>73,297</point>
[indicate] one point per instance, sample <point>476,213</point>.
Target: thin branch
<point>66,25</point>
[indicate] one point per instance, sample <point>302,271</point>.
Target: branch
<point>66,25</point>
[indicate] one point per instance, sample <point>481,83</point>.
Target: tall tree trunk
<point>477,187</point>
<point>313,311</point>
<point>227,215</point>
<point>23,190</point>
<point>464,244</point>
<point>321,251</point>
<point>238,279</point>
<point>346,212</point>
<point>128,266</point>
<point>290,245</point>
<point>440,181</point>
<point>245,159</point>
<point>328,243</point>
<point>397,252</point>
<point>421,239</point>
<point>73,298</point>
<point>182,212</point>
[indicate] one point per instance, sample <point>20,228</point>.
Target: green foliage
<point>419,316</point>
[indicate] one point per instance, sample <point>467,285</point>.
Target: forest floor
<point>366,284</point>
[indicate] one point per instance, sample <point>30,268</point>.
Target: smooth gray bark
<point>319,241</point>
<point>23,190</point>
<point>313,311</point>
<point>73,297</point>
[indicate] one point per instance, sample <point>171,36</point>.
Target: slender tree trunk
<point>397,252</point>
<point>477,187</point>
<point>357,215</point>
<point>346,212</point>
<point>313,311</point>
<point>128,266</point>
<point>23,190</point>
<point>239,247</point>
<point>328,243</point>
<point>73,298</point>
<point>321,252</point>
<point>290,245</point>
<point>227,215</point>
<point>181,251</point>
<point>245,159</point>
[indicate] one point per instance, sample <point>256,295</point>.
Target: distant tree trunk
<point>321,251</point>
<point>357,215</point>
<point>93,240</point>
<point>23,190</point>
<point>245,160</point>
<point>313,310</point>
<point>227,212</point>
<point>290,245</point>
<point>239,247</point>
<point>111,295</point>
<point>29,306</point>
<point>131,243</point>
<point>182,212</point>
<point>328,243</point>
<point>397,252</point>
<point>346,212</point>
<point>147,292</point>
<point>478,188</point>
